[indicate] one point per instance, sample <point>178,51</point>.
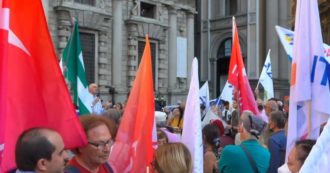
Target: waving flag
<point>204,96</point>
<point>309,92</point>
<point>133,150</point>
<point>33,91</point>
<point>192,129</point>
<point>237,76</point>
<point>286,37</point>
<point>227,93</point>
<point>266,78</point>
<point>74,72</point>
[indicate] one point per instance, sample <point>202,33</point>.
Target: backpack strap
<point>251,160</point>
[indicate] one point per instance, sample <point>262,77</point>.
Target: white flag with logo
<point>266,78</point>
<point>286,37</point>
<point>309,92</point>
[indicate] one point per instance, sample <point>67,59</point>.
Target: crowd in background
<point>233,141</point>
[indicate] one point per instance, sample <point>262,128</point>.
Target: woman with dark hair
<point>211,141</point>
<point>177,119</point>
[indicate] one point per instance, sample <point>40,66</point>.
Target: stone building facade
<point>256,22</point>
<point>113,36</point>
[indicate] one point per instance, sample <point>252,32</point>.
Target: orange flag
<point>133,151</point>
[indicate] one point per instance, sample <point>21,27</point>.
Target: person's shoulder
<point>210,156</point>
<point>278,137</point>
<point>263,150</point>
<point>231,150</point>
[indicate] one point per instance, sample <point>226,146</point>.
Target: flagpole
<point>309,117</point>
<point>258,84</point>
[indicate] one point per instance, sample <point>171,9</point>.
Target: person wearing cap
<point>249,156</point>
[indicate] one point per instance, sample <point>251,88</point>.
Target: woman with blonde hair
<point>174,158</point>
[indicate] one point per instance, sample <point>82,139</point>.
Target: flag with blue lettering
<point>266,78</point>
<point>309,92</point>
<point>204,96</point>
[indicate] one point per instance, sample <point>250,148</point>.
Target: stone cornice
<point>138,20</point>
<point>76,6</point>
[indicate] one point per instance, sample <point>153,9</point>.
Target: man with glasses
<point>94,156</point>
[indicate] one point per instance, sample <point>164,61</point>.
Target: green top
<point>234,160</point>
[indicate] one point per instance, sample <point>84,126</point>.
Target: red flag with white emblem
<point>32,89</point>
<point>237,76</point>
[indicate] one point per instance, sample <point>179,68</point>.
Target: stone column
<point>252,41</point>
<point>172,47</point>
<point>117,36</point>
<point>190,44</point>
<point>272,19</point>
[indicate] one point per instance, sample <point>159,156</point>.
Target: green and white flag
<point>74,72</point>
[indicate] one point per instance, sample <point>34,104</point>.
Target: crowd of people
<point>233,142</point>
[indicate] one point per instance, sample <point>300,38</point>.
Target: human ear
<point>41,165</point>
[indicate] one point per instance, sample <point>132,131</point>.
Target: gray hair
<point>273,105</point>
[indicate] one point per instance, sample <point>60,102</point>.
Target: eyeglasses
<point>101,145</point>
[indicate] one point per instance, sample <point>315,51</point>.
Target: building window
<point>153,47</point>
<point>148,10</point>
<point>230,7</point>
<point>225,49</point>
<point>86,2</point>
<point>88,50</point>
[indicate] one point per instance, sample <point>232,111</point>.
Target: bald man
<point>40,150</point>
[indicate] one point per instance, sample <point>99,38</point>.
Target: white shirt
<point>97,106</point>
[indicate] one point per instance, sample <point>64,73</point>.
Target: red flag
<point>237,76</point>
<point>32,89</point>
<point>133,150</point>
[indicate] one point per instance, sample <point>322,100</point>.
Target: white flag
<point>309,92</point>
<point>286,37</point>
<point>210,116</point>
<point>192,130</point>
<point>227,93</point>
<point>266,78</point>
<point>204,96</point>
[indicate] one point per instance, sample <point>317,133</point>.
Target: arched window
<point>224,50</point>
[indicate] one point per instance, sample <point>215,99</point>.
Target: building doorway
<point>223,60</point>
